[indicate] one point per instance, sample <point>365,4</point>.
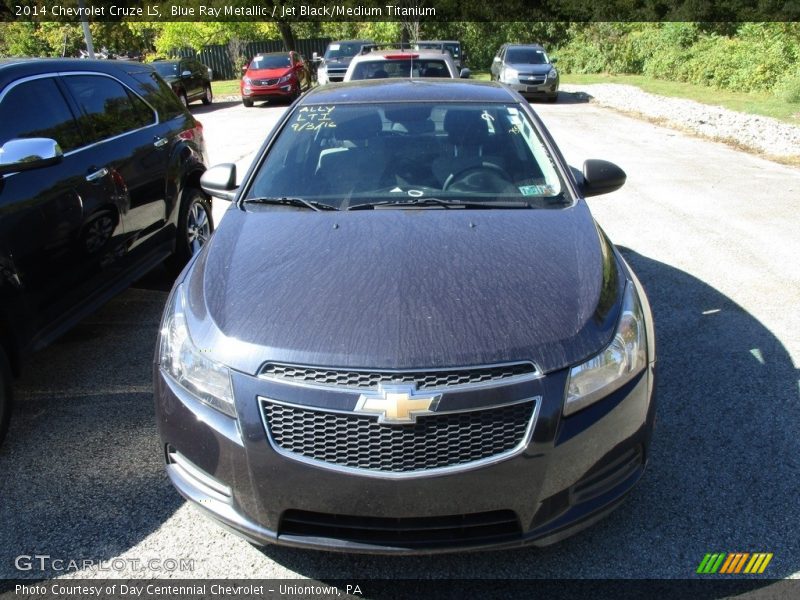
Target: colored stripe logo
<point>732,563</point>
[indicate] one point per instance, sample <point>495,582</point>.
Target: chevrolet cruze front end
<point>426,345</point>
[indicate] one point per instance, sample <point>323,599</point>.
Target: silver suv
<point>527,69</point>
<point>380,62</point>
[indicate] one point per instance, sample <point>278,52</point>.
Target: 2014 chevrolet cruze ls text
<point>408,333</point>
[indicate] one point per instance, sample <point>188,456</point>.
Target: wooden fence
<point>216,56</point>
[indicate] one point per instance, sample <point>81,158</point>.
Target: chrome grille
<point>532,79</point>
<point>359,442</point>
<point>369,380</point>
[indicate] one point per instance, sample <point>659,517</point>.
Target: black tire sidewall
<point>5,394</point>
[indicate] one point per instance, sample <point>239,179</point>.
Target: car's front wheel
<point>247,102</point>
<point>195,226</point>
<point>208,97</point>
<point>5,394</point>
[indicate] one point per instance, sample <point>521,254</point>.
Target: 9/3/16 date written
<point>56,10</point>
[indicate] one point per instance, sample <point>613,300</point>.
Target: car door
<point>197,79</point>
<point>129,143</point>
<point>50,239</point>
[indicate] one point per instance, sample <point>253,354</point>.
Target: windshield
<point>353,154</point>
<point>340,51</point>
<point>529,56</point>
<point>381,69</point>
<point>166,69</point>
<point>278,61</point>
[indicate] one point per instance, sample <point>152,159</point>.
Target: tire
<point>5,394</point>
<point>247,102</point>
<point>195,226</point>
<point>208,97</point>
<point>552,99</point>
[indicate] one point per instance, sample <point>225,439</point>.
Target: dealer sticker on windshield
<point>537,190</point>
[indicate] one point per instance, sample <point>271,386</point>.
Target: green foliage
<point>745,57</point>
<point>788,88</point>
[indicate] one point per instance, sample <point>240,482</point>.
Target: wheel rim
<point>98,233</point>
<point>198,227</point>
<point>209,95</point>
<point>184,100</point>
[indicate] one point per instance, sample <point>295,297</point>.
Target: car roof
<point>438,42</point>
<point>16,68</point>
<point>352,42</point>
<point>409,90</point>
<point>423,53</point>
<point>284,53</point>
<point>536,46</point>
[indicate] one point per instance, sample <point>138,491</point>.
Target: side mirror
<point>315,57</point>
<point>244,68</point>
<point>553,60</point>
<point>186,74</point>
<point>465,74</point>
<point>601,177</point>
<point>29,153</point>
<point>496,59</point>
<point>220,181</point>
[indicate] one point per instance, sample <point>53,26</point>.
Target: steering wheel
<point>491,172</point>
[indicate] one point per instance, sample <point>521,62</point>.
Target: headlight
<point>552,74</point>
<point>618,363</point>
<point>509,73</point>
<point>203,378</point>
<point>285,78</point>
<point>247,80</point>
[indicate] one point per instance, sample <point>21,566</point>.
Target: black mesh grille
<point>360,442</point>
<point>422,532</point>
<point>371,379</point>
<point>265,82</point>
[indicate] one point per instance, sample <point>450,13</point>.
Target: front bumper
<point>570,473</point>
<point>253,92</point>
<point>547,89</point>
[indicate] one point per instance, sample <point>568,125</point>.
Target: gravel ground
<point>761,134</point>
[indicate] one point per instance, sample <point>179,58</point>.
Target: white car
<point>376,63</point>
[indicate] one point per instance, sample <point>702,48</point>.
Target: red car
<point>274,75</point>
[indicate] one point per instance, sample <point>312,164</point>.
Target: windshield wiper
<point>287,201</point>
<point>430,201</point>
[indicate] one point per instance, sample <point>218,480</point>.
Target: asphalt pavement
<point>712,233</point>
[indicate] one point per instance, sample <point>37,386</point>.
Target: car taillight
<point>401,56</point>
<point>195,133</point>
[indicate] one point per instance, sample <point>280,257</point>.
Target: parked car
<point>378,62</point>
<point>274,76</point>
<point>452,46</point>
<point>332,66</point>
<point>99,182</point>
<point>408,334</point>
<point>527,69</point>
<point>189,79</point>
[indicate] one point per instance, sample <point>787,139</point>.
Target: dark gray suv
<point>99,182</point>
<point>527,69</point>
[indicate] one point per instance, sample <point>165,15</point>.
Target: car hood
<point>529,68</point>
<point>267,73</point>
<point>404,288</point>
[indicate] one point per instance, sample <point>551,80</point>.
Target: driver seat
<point>467,136</point>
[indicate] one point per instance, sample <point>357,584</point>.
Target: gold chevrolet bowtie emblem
<point>397,404</point>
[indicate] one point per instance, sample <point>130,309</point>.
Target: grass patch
<point>754,103</point>
<point>229,87</point>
